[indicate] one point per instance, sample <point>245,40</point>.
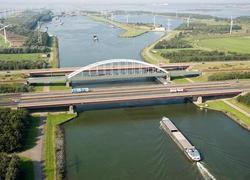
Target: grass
<point>20,57</point>
<point>233,113</point>
<point>239,44</point>
<point>130,30</point>
<point>180,80</point>
<point>26,169</point>
<point>52,122</point>
<point>59,87</point>
<point>4,77</point>
<point>38,88</point>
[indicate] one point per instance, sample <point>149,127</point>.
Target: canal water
<point>127,143</point>
<point>77,48</point>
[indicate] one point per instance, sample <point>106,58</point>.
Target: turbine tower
<point>39,35</point>
<point>231,25</point>
<point>4,31</point>
<point>169,24</point>
<point>188,21</point>
<point>154,21</point>
<point>127,18</point>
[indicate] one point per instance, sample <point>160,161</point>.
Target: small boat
<point>95,37</point>
<point>193,154</point>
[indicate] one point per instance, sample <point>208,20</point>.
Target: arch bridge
<point>113,69</point>
<point>117,69</point>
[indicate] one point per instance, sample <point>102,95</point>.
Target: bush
<point>228,76</point>
<point>9,166</point>
<point>15,88</point>
<point>245,99</point>
<point>12,129</point>
<point>23,64</point>
<point>202,55</point>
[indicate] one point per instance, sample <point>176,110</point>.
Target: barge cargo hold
<point>189,150</point>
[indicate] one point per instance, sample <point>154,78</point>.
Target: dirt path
<point>236,107</point>
<point>36,153</point>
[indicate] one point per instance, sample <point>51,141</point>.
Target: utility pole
<point>154,21</point>
<point>188,21</point>
<point>127,18</point>
<point>168,25</point>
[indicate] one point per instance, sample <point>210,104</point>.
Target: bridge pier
<point>71,109</point>
<point>198,100</point>
<point>68,84</point>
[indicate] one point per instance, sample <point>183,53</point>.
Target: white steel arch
<point>88,67</point>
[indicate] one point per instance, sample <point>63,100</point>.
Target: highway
<point>128,94</point>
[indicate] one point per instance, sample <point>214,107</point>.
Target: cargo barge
<point>189,150</point>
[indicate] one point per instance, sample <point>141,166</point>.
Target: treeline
<point>202,55</point>
<point>15,88</point>
<point>23,64</point>
<point>12,129</point>
<point>229,76</point>
<point>207,28</point>
<point>176,42</point>
<point>25,50</point>
<point>245,99</point>
<point>33,39</point>
<point>9,166</point>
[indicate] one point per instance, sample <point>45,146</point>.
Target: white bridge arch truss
<point>120,67</point>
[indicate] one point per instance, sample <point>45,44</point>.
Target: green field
<point>52,122</point>
<point>20,57</point>
<point>62,87</point>
<point>234,44</point>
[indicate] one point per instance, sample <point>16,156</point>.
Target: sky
<point>124,1</point>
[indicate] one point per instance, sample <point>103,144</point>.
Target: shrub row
<point>60,154</point>
<point>245,99</point>
<point>23,64</point>
<point>15,88</point>
<point>228,76</point>
<point>25,50</point>
<point>12,129</point>
<point>9,166</point>
<point>201,55</point>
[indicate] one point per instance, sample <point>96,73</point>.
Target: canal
<point>127,143</point>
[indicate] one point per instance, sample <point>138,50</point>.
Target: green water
<point>127,143</point>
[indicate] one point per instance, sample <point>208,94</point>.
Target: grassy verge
<point>231,112</point>
<point>38,88</point>
<point>240,105</point>
<point>26,168</point>
<point>52,122</point>
<point>180,80</point>
<point>54,59</point>
<point>130,30</point>
<point>59,87</point>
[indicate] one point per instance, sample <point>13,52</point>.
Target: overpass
<point>195,91</point>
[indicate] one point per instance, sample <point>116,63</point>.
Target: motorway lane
<point>127,91</point>
<point>163,95</point>
<point>115,95</point>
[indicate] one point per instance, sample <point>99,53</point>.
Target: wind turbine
<point>127,18</point>
<point>231,25</point>
<point>4,31</point>
<point>39,36</point>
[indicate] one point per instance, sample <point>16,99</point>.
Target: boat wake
<point>204,172</point>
